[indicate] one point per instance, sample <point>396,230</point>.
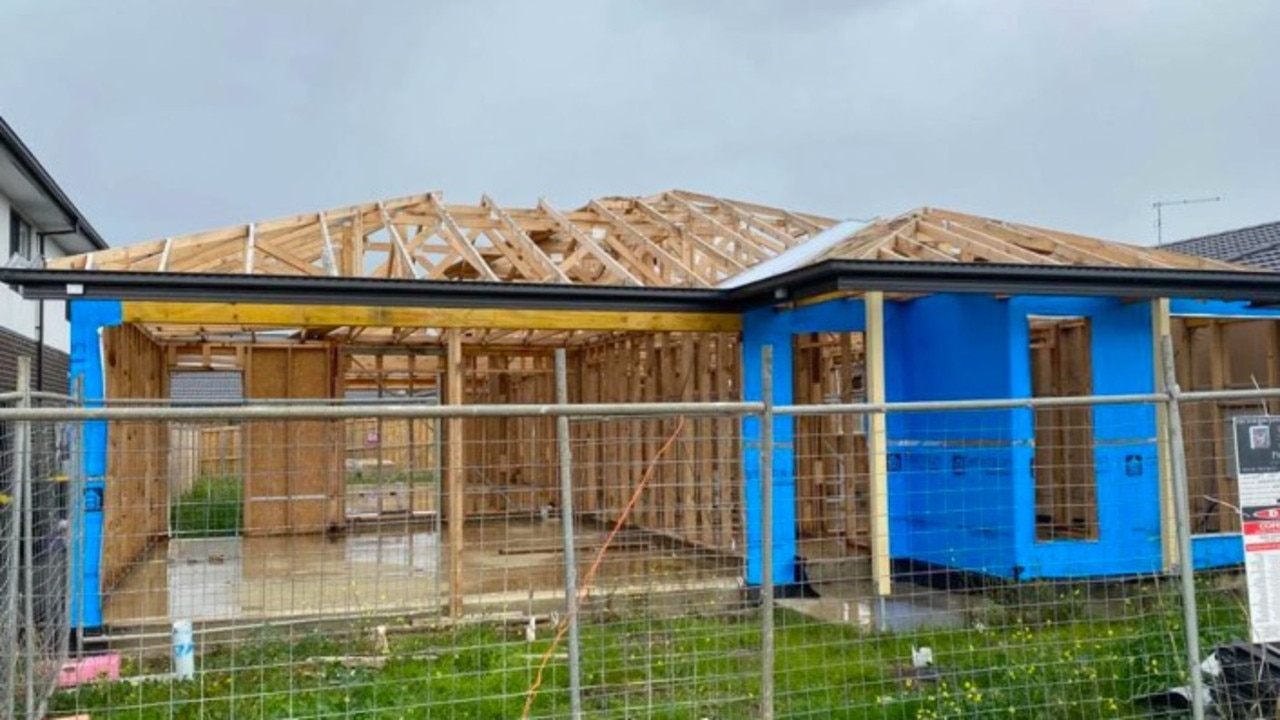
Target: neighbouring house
<point>1256,245</point>
<point>38,222</point>
<point>673,297</point>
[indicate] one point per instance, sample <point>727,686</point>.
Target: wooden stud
<point>878,449</point>
<point>1161,326</point>
<point>1218,378</point>
<point>407,265</point>
<point>454,471</point>
<point>249,253</point>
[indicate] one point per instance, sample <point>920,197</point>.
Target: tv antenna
<point>1159,205</point>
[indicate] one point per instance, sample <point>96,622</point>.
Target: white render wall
<point>19,315</point>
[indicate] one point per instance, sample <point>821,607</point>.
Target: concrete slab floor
<point>383,569</point>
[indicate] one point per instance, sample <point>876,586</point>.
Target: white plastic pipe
<point>184,650</point>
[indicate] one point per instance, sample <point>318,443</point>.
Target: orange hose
<point>595,567</point>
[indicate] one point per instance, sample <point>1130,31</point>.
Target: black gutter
<point>312,290</point>
<point>1004,279</point>
<point>10,141</point>
<point>799,284</point>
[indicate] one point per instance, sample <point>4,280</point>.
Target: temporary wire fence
<point>37,504</point>
<point>706,560</point>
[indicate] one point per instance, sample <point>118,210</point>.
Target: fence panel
<point>10,564</point>
<point>1018,585</point>
<point>37,487</point>
<point>1025,559</point>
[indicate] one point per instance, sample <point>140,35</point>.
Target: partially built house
<point>672,298</point>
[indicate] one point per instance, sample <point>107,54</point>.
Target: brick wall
<point>57,364</point>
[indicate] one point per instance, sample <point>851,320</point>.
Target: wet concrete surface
<point>389,568</point>
<point>841,579</point>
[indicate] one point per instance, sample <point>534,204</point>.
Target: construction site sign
<point>1257,451</point>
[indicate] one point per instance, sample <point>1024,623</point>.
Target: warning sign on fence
<point>1257,450</point>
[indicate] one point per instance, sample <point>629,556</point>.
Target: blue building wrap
<point>951,479</point>
<point>88,317</point>
<point>961,483</point>
<point>761,327</point>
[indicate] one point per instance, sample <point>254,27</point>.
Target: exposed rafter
<point>930,234</point>
<point>672,239</point>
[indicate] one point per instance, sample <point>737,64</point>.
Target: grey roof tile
<point>1258,245</point>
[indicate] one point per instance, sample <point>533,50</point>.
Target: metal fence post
<point>766,535</point>
<point>566,523</point>
<point>1182,514</point>
<point>12,565</point>
<point>26,522</point>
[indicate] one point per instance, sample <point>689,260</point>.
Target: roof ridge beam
<point>530,249</point>
<point>406,260</point>
<point>589,244</point>
<point>459,241</point>
<point>689,238</point>
<point>653,247</point>
<point>746,246</point>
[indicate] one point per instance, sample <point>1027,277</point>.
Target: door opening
<point>833,513</point>
<point>1066,505</point>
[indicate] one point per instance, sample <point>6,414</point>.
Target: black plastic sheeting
<point>1242,682</point>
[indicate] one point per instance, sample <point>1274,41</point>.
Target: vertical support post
<point>1182,512</point>
<point>25,520</point>
<point>1160,329</point>
<point>877,443</point>
<point>457,483</point>
<point>766,535</point>
<point>566,523</point>
<point>75,525</point>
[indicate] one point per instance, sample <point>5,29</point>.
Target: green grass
<point>211,508</point>
<point>695,667</point>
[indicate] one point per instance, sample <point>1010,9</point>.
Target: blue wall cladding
<point>768,326</point>
<point>88,317</point>
<point>961,486</point>
<point>951,488</point>
<point>1126,464</point>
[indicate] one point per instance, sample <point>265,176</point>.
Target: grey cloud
<point>162,118</point>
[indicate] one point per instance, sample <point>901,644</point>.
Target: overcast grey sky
<point>160,118</point>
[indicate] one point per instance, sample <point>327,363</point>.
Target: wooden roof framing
<point>934,235</point>
<point>673,239</point>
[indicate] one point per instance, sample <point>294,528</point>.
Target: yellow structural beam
<point>266,315</point>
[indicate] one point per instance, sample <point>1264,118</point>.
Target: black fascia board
<point>1259,288</point>
<point>1005,279</point>
<point>41,284</point>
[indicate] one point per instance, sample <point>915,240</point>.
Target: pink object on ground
<point>85,670</point>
